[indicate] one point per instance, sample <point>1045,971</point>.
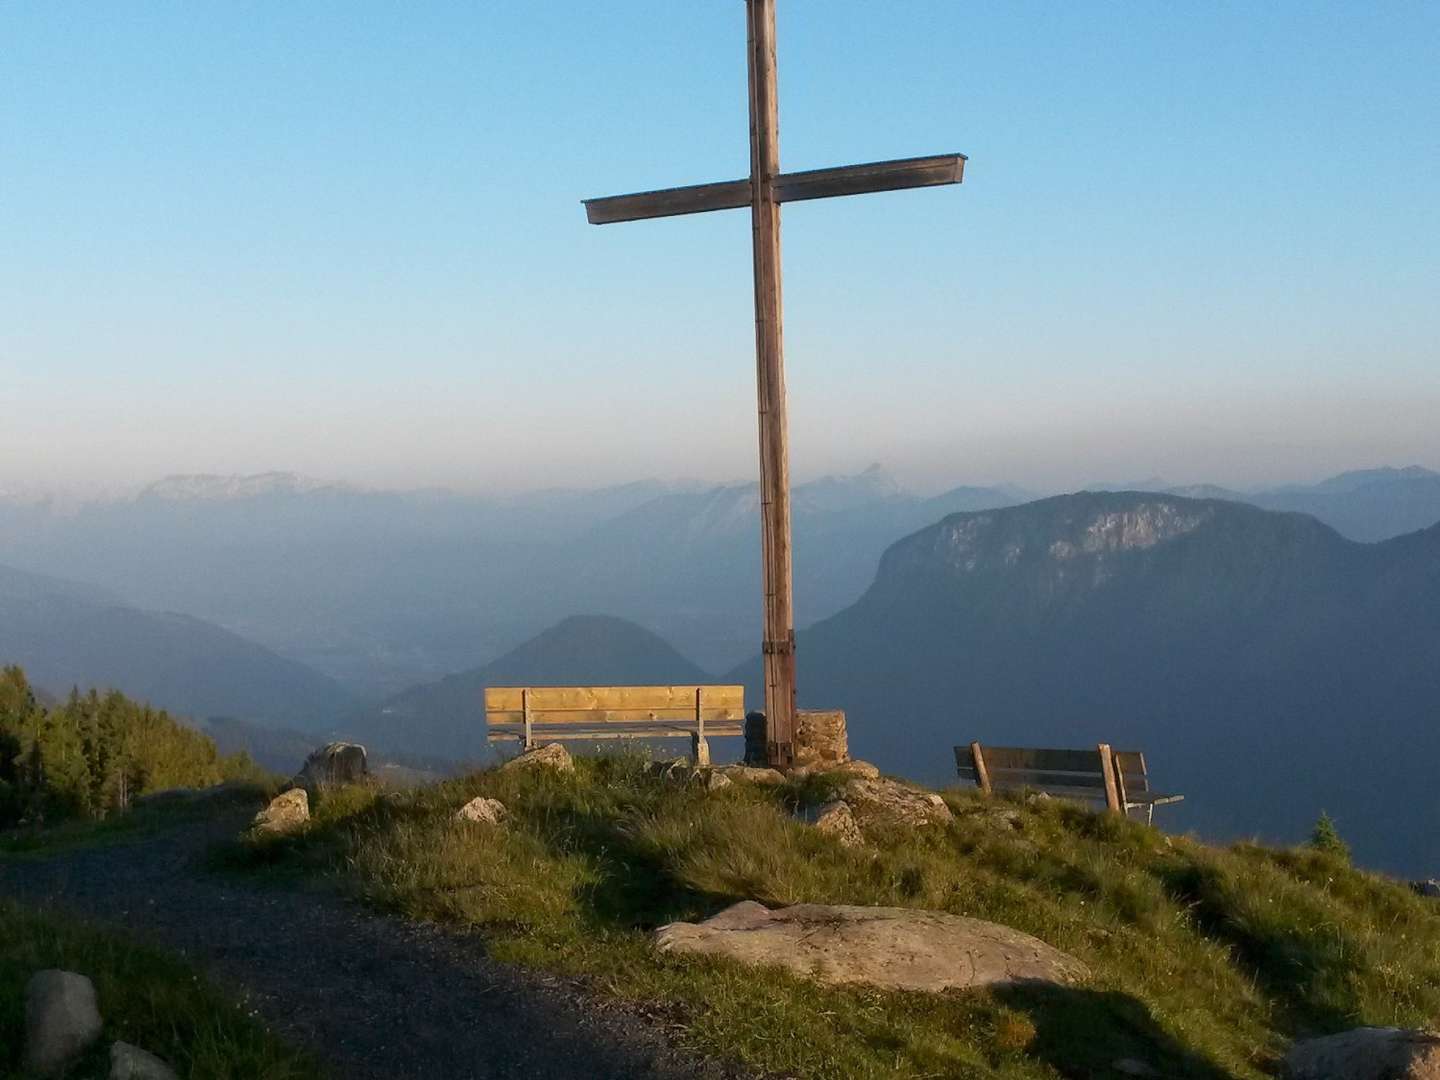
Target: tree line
<point>94,753</point>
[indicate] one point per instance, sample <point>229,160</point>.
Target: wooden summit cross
<point>763,192</point>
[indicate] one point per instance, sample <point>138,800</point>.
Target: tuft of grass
<point>1206,961</point>
<point>146,997</point>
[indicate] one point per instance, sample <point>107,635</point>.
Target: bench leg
<point>699,750</point>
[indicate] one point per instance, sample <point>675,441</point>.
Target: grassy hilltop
<point>1207,961</point>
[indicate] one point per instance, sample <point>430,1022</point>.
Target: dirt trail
<point>372,996</point>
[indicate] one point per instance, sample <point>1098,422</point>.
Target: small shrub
<point>1326,837</point>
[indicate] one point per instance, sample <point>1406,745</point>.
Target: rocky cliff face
<point>1268,667</point>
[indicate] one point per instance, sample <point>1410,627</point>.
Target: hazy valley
<point>1287,627</point>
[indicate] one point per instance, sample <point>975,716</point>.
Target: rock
<point>752,775</point>
<point>681,771</point>
<point>332,764</point>
<point>288,811</point>
<point>835,819</point>
<point>483,811</point>
<point>893,948</point>
<point>895,803</point>
<point>820,738</point>
<point>1133,1067</point>
<point>862,769</point>
<point>675,769</point>
<point>1367,1054</point>
<point>1430,889</point>
<point>551,756</point>
<point>62,1020</point>
<point>131,1063</point>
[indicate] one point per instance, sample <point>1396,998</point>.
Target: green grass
<point>146,818</point>
<point>1206,961</point>
<point>146,997</point>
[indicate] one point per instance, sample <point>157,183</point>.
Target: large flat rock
<point>1367,1054</point>
<point>895,948</point>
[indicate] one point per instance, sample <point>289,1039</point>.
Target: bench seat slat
<point>613,716</point>
<point>1150,798</point>
<point>649,730</point>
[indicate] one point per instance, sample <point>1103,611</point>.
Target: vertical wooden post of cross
<point>779,641</point>
<point>763,192</point>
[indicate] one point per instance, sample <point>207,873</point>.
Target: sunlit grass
<point>1205,961</point>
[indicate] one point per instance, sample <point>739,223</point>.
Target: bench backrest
<point>1130,770</point>
<point>1077,773</point>
<point>625,710</point>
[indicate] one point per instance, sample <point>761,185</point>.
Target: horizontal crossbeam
<point>788,187</point>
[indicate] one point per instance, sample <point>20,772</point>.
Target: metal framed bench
<point>534,714</point>
<point>1117,778</point>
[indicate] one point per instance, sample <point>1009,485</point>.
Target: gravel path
<point>371,996</point>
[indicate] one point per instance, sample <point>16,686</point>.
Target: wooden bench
<point>1117,778</point>
<point>558,713</point>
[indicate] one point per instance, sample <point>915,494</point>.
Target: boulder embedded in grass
<point>551,756</point>
<point>754,775</point>
<point>333,764</point>
<point>131,1063</point>
<point>62,1020</point>
<point>892,948</point>
<point>483,811</point>
<point>835,819</point>
<point>1367,1054</point>
<point>894,803</point>
<point>288,811</point>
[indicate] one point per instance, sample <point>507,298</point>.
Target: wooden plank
<point>615,716</point>
<point>668,202</point>
<point>828,183</point>
<point>1150,798</point>
<point>778,645</point>
<point>871,177</point>
<point>550,698</point>
<point>1025,757</point>
<point>543,733</point>
<point>1112,793</point>
<point>1079,794</point>
<point>726,729</point>
<point>1037,779</point>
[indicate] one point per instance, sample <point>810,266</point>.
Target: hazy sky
<point>345,238</point>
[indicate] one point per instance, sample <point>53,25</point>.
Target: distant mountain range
<point>67,634</point>
<point>1269,667</point>
<point>382,590</point>
<point>1367,504</point>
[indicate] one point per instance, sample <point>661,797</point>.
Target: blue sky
<point>346,239</point>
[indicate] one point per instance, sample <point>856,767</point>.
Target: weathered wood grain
<point>829,183</point>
